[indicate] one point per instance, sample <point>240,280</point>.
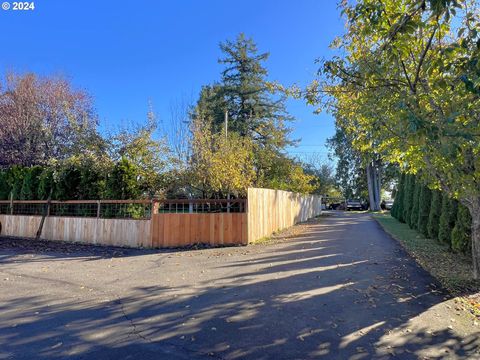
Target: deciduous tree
<point>409,87</point>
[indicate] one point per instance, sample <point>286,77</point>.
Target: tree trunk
<point>378,184</point>
<point>370,184</point>
<point>373,181</point>
<point>474,208</point>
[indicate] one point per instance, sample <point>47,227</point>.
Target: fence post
<point>11,203</point>
<point>98,208</point>
<point>154,207</point>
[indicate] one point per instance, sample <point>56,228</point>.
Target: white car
<point>354,205</point>
<point>388,204</point>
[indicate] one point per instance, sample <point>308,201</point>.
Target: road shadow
<point>341,291</point>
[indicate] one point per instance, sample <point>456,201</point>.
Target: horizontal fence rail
<point>120,209</point>
<point>106,209</point>
<point>159,223</point>
<point>202,206</point>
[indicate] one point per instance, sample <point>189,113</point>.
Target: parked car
<point>387,204</point>
<point>354,205</point>
<point>336,206</point>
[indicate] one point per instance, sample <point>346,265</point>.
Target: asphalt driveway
<point>342,290</point>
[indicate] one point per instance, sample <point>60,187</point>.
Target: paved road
<point>342,290</point>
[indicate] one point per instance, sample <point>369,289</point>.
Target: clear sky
<point>127,53</point>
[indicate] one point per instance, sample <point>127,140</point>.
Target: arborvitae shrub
<point>447,219</point>
<point>408,197</point>
<point>30,183</point>
<point>461,233</point>
<point>4,186</point>
<point>434,215</point>
<point>92,183</point>
<point>15,177</point>
<point>413,220</point>
<point>67,185</point>
<point>122,181</point>
<point>397,209</point>
<point>424,204</point>
<point>46,184</point>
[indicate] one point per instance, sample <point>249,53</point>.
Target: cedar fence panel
<point>115,232</point>
<point>265,212</point>
<point>174,230</point>
<point>273,210</point>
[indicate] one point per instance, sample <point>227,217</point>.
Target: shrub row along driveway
<point>343,289</point>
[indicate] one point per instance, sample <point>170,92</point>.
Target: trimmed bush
<point>448,218</point>
<point>461,233</point>
<point>29,190</point>
<point>15,177</point>
<point>408,197</point>
<point>68,183</point>
<point>122,182</point>
<point>4,186</point>
<point>413,220</point>
<point>434,215</point>
<point>397,209</point>
<point>46,184</point>
<point>424,204</point>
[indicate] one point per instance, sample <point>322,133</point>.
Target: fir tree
<point>255,110</point>
<point>252,110</point>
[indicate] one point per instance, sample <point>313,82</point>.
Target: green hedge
<point>413,220</point>
<point>432,213</point>
<point>448,218</point>
<point>461,233</point>
<point>424,204</point>
<point>71,182</point>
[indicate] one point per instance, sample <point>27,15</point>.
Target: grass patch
<point>453,271</point>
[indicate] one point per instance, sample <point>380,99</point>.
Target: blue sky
<point>129,53</point>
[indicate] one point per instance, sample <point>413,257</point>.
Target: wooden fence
<point>157,224</point>
<point>273,210</point>
<point>114,232</point>
<point>170,230</point>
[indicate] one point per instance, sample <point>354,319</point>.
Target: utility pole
<point>226,139</point>
<point>226,124</point>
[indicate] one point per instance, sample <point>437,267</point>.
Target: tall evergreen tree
<point>255,110</point>
<point>4,185</point>
<point>408,198</point>
<point>252,110</point>
<point>447,219</point>
<point>30,183</point>
<point>413,220</point>
<point>462,233</point>
<point>398,203</point>
<point>424,204</point>
<point>46,184</point>
<point>122,182</point>
<point>434,215</point>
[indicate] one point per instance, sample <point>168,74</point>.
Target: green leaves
<point>408,86</point>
